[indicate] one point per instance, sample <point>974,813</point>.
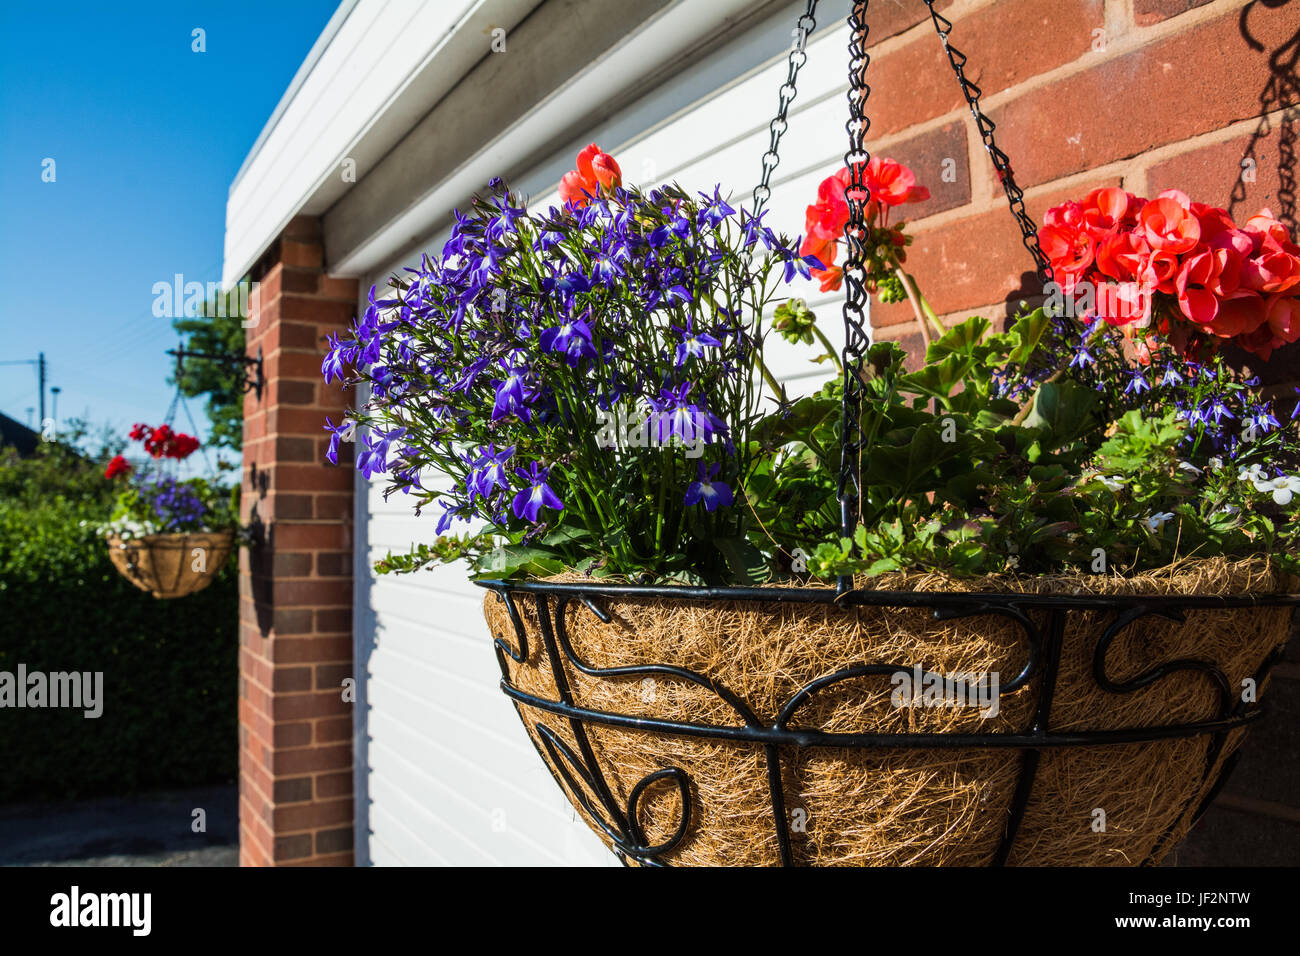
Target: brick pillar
<point>295,585</point>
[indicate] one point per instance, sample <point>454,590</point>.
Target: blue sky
<point>146,135</point>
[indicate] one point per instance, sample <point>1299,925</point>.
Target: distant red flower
<point>162,442</point>
<point>118,466</point>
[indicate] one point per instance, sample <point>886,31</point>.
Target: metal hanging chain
<point>1015,197</point>
<point>776,129</point>
<point>856,298</point>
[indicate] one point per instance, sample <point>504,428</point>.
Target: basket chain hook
<point>776,129</point>
<point>856,301</point>
<point>1015,196</point>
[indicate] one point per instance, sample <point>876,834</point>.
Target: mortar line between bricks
<point>1137,39</point>
<point>1117,168</point>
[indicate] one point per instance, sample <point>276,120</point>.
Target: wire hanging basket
<point>768,726</point>
<point>176,564</point>
<point>171,565</point>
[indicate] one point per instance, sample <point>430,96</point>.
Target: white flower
<point>1283,489</point>
<point>1112,484</point>
<point>1253,473</point>
<point>127,528</point>
<point>1157,521</point>
<point>1188,466</point>
<point>1216,464</point>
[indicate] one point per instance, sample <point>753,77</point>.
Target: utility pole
<point>40,376</point>
<point>55,392</point>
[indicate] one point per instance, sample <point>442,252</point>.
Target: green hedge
<point>170,668</point>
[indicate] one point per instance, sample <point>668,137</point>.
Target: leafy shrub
<point>170,667</point>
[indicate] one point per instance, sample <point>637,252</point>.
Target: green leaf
<point>959,340</point>
<point>514,560</point>
<point>1029,331</point>
<point>1064,411</point>
<point>747,564</point>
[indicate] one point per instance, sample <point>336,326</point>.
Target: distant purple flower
<point>714,494</point>
<point>174,503</point>
<point>536,496</point>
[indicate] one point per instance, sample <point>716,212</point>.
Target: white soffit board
<point>381,68</point>
<point>659,41</point>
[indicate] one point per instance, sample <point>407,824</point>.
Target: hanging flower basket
<point>1095,719</point>
<point>171,565</point>
<point>167,536</point>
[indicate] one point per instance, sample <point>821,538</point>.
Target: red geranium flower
<point>890,184</point>
<point>1168,224</point>
<point>596,170</point>
<point>118,466</point>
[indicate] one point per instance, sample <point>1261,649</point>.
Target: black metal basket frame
<point>581,774</point>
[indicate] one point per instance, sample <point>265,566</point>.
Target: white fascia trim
<point>659,41</point>
<point>289,152</point>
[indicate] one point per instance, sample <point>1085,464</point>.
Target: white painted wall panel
<point>445,750</point>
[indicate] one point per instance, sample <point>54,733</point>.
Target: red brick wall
<point>295,729</point>
<point>1144,94</point>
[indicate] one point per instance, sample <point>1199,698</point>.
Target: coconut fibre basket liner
<point>171,565</point>
<point>1092,671</point>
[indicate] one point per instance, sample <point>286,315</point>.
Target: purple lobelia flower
<point>572,337</point>
<point>714,210</point>
<point>373,459</point>
<point>449,514</point>
<point>337,359</point>
<point>537,494</point>
<point>490,471</point>
<point>692,344</point>
<point>1137,383</point>
<point>676,415</point>
<point>714,494</point>
<point>512,395</point>
<point>343,431</point>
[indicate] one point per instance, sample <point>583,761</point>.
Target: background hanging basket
<point>171,565</point>
<point>1094,670</point>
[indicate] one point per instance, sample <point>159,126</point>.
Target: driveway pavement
<point>155,829</point>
